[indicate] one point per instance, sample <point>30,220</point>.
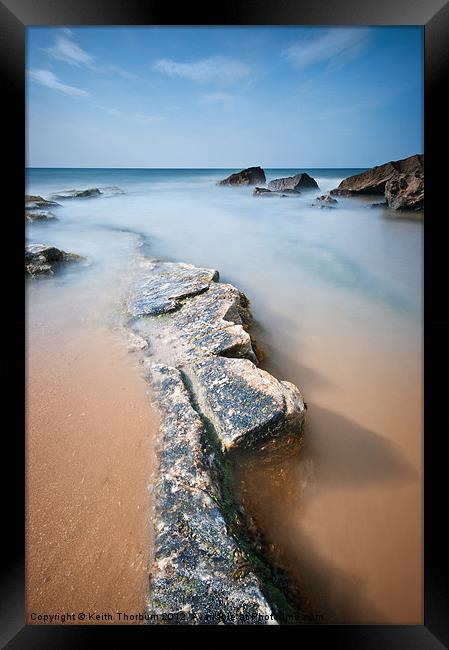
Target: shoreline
<point>89,459</point>
<point>325,453</point>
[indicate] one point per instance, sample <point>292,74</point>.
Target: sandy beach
<point>90,429</point>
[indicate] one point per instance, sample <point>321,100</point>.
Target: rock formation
<point>34,202</point>
<point>406,191</point>
<point>76,194</point>
<point>42,259</point>
<point>215,402</point>
<point>111,190</point>
<point>39,215</point>
<point>262,191</point>
<point>401,181</point>
<point>295,183</point>
<point>326,201</point>
<point>249,176</point>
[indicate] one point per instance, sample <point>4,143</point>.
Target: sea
<point>337,298</point>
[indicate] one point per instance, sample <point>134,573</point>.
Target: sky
<point>223,96</point>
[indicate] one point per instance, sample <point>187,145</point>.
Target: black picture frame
<point>15,16</point>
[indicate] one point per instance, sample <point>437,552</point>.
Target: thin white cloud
<point>148,119</point>
<point>49,80</point>
<point>106,109</point>
<point>67,50</point>
<point>217,69</point>
<point>120,72</point>
<point>335,45</point>
<point>217,98</point>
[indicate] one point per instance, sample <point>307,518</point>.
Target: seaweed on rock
<point>210,562</point>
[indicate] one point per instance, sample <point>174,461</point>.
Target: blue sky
<point>223,97</point>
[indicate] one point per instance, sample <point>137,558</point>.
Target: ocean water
<point>337,300</point>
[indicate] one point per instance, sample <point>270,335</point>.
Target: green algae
<point>250,556</point>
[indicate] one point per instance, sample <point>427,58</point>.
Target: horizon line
<point>229,167</point>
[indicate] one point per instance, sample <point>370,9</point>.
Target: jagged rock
<point>35,202</point>
<point>296,183</point>
<point>197,321</point>
<point>374,181</point>
<point>215,402</point>
<point>199,574</point>
<point>42,259</point>
<point>76,194</point>
<point>249,176</point>
<point>211,322</point>
<point>163,285</point>
<point>325,200</point>
<point>247,406</point>
<point>406,191</point>
<point>39,215</point>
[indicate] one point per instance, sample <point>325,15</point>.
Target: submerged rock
<point>380,204</point>
<point>35,202</point>
<point>76,194</point>
<point>214,402</point>
<point>295,183</point>
<point>262,191</point>
<point>42,259</point>
<point>249,176</point>
<point>39,215</point>
<point>135,343</point>
<point>401,181</point>
<point>288,193</point>
<point>111,190</point>
<point>325,200</point>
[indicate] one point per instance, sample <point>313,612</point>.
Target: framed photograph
<point>233,321</point>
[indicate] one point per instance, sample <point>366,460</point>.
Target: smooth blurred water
<point>306,252</point>
<point>337,299</point>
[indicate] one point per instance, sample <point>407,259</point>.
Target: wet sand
<point>346,514</point>
<point>90,429</point>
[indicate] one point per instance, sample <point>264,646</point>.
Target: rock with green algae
<point>248,407</point>
<point>193,322</point>
<point>214,400</point>
<point>199,574</point>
